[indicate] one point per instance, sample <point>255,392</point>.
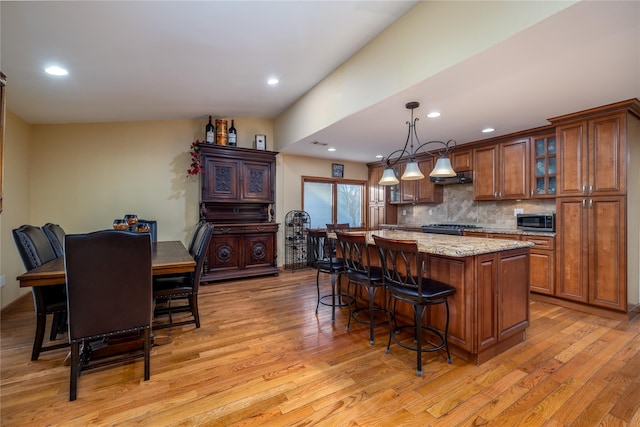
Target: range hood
<point>460,178</point>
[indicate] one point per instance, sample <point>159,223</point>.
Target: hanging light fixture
<point>412,171</point>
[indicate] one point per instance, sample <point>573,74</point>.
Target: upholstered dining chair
<point>153,228</point>
<point>55,234</point>
<point>167,290</point>
<point>109,293</point>
<point>194,236</point>
<point>325,262</point>
<point>354,251</point>
<point>404,274</point>
<point>35,249</point>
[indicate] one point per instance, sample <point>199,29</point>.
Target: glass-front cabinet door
<point>544,167</point>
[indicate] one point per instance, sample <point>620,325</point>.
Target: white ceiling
<point>166,60</point>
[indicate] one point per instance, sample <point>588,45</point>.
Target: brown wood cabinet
<point>595,150</point>
<point>544,167</point>
<point>591,156</point>
<point>541,259</point>
<point>592,251</point>
<point>462,160</point>
<point>422,190</point>
<point>238,192</point>
<point>410,192</point>
<point>502,171</point>
<point>380,211</point>
<point>542,263</point>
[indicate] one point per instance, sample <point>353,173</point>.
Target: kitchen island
<point>490,311</point>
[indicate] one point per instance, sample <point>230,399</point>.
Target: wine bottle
<point>210,132</point>
<point>231,139</point>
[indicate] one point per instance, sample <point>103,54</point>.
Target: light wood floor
<point>263,357</point>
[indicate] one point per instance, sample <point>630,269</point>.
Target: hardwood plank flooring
<point>263,357</point>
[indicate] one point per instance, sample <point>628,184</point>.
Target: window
<point>330,201</point>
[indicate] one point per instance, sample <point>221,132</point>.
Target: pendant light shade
<point>412,172</point>
<point>388,177</point>
<point>443,168</point>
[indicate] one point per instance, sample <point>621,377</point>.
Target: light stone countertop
<point>453,246</point>
<point>480,229</point>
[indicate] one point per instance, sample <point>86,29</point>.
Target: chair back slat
<point>402,265</point>
<point>354,251</point>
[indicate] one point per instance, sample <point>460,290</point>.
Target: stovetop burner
<point>452,229</point>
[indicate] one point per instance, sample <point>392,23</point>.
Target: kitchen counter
<point>479,229</point>
<point>453,246</point>
<point>490,309</point>
<point>511,231</point>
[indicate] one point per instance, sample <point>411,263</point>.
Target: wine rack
<point>296,224</point>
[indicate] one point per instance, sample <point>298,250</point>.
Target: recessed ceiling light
<point>54,70</point>
<point>272,81</point>
<point>379,156</point>
<point>488,130</point>
<point>331,149</point>
<point>433,114</point>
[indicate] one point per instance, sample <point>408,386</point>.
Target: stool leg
<point>318,288</point>
<point>372,294</point>
<point>446,332</point>
<point>391,325</point>
<point>333,298</point>
<point>419,314</point>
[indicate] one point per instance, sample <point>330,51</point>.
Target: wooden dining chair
<point>109,294</point>
<point>35,249</point>
<point>176,288</point>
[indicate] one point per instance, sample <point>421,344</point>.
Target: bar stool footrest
<point>342,300</point>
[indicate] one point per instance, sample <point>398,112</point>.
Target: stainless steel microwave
<point>536,222</point>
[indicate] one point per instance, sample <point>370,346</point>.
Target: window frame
<point>334,201</point>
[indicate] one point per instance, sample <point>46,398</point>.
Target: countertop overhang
<point>453,246</point>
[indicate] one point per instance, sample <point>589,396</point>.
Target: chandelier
<point>412,171</point>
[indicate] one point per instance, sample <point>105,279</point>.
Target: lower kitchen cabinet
<point>541,264</point>
<point>591,250</point>
<point>241,250</point>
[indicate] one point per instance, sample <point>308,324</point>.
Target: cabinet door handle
<point>260,228</point>
<point>590,203</point>
<point>532,192</point>
<point>583,203</point>
<point>583,188</point>
<point>591,189</point>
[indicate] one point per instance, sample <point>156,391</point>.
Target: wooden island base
<point>489,312</point>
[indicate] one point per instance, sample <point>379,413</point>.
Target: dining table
<point>167,257</point>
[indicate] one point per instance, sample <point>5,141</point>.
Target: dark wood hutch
<point>238,196</point>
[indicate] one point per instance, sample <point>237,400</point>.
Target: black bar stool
<point>403,270</point>
<point>355,254</point>
<point>324,261</point>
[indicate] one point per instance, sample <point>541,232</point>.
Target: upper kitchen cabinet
<point>235,175</point>
<point>414,191</point>
<point>421,190</point>
<point>380,211</point>
<point>544,167</point>
<point>502,171</point>
<point>591,156</point>
<point>462,159</point>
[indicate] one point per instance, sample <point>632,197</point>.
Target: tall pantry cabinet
<point>597,221</point>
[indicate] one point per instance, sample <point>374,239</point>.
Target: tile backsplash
<point>458,206</point>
